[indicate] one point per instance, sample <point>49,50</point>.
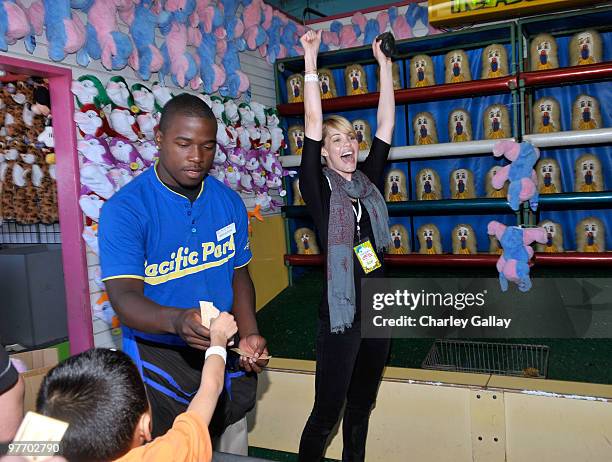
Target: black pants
<point>348,367</point>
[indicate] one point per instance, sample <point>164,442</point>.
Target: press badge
<point>367,256</point>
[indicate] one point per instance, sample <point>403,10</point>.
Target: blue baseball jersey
<point>184,252</point>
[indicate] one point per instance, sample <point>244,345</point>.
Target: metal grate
<point>487,357</point>
<point>14,233</point>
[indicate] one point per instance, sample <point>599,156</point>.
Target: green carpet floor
<point>289,324</point>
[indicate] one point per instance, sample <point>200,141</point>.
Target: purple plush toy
<point>520,173</point>
<point>513,265</point>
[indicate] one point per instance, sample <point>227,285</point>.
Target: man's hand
<point>222,328</point>
<point>254,345</point>
<point>188,325</point>
<point>311,41</point>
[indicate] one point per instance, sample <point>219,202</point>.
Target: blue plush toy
<point>274,40</point>
<point>520,173</point>
<point>417,19</point>
<point>236,81</point>
<point>147,58</point>
<point>14,25</point>
<point>211,73</point>
<point>65,34</point>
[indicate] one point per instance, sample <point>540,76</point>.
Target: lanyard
<point>358,216</point>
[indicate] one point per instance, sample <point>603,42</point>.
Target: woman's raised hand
<point>311,41</point>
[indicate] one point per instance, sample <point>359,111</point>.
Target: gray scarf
<point>340,238</point>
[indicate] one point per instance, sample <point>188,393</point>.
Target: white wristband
<point>216,350</point>
<point>311,78</point>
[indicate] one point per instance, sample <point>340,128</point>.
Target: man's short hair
<point>184,105</point>
<point>100,394</point>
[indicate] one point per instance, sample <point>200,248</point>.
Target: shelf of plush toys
<point>590,259</point>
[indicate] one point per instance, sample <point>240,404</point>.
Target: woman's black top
<point>316,194</point>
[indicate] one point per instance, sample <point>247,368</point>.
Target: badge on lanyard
<point>364,250</point>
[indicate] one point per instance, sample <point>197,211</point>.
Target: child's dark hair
<point>185,105</point>
<point>101,396</point>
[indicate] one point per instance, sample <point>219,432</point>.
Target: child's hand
<point>222,329</point>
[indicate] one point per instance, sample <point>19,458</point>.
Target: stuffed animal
<point>494,62</point>
<point>363,132</point>
<point>395,186</point>
<point>424,127</point>
<point>543,53</point>
<point>355,80</point>
<point>400,245</point>
<point>89,90</point>
<point>496,122</point>
<point>104,41</point>
<point>462,184</point>
<point>459,126</point>
<point>91,120</point>
<point>397,82</point>
<point>513,265</point>
<point>306,241</point>
<point>295,88</point>
<point>123,123</point>
<point>554,237</point>
<point>520,173</point>
<point>146,58</point>
<point>125,154</point>
<point>495,247</point>
<point>428,185</point>
<point>457,67</point>
<point>429,239</point>
<point>296,139</point>
<point>591,235</point>
<point>546,115</point>
<point>421,71</point>
<point>327,85</point>
<point>119,93</point>
<point>494,192</point>
<point>162,94</point>
<point>25,174</point>
<point>97,179</point>
<point>9,189</point>
<point>277,139</point>
<point>585,48</point>
<point>585,113</point>
<point>96,150</point>
<point>297,194</point>
<point>47,192</point>
<point>588,174</point>
<point>549,176</point>
<point>144,99</point>
<point>464,240</point>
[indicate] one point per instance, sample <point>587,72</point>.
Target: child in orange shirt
<point>102,397</point>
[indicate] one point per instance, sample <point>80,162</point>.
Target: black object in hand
<point>387,45</point>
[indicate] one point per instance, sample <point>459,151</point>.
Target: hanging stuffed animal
<point>364,134</point>
<point>89,90</point>
<point>400,244</point>
<point>297,194</point>
<point>543,53</point>
<point>554,237</point>
<point>428,186</point>
<point>424,127</point>
<point>496,122</point>
<point>520,173</point>
<point>125,154</point>
<point>355,80</point>
<point>464,240</point>
<point>295,88</point>
<point>549,176</point>
<point>397,82</point>
<point>457,67</point>
<point>306,241</point>
<point>585,48</point>
<point>296,139</point>
<point>459,126</point>
<point>147,57</point>
<point>429,239</point>
<point>327,85</point>
<point>494,62</point>
<point>25,174</point>
<point>47,192</point>
<point>513,264</point>
<point>277,138</point>
<point>162,94</point>
<point>588,174</point>
<point>492,192</point>
<point>421,71</point>
<point>546,115</point>
<point>585,113</point>
<point>462,184</point>
<point>395,186</point>
<point>96,150</point>
<point>591,235</point>
<point>148,113</point>
<point>7,201</point>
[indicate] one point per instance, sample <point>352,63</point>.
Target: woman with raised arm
<point>351,218</point>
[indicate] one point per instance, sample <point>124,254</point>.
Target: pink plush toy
<point>520,173</point>
<point>14,24</point>
<point>513,264</point>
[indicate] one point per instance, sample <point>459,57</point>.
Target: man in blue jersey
<point>168,239</point>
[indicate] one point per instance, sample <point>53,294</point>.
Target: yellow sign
<point>454,12</point>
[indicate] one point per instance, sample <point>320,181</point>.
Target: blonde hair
<point>339,123</point>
